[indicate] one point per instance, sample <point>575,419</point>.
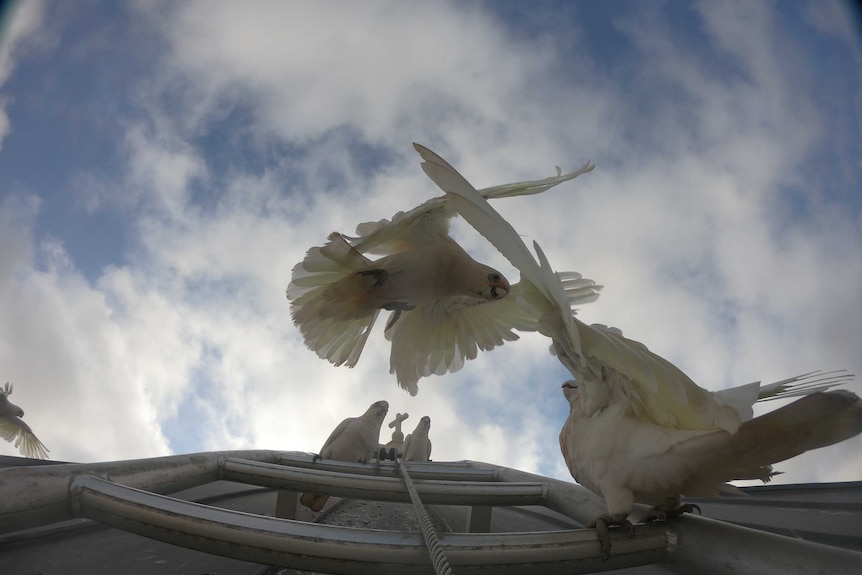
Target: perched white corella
<point>417,446</point>
<point>356,439</point>
<point>13,428</point>
<point>631,405</point>
<point>627,459</point>
<point>445,305</point>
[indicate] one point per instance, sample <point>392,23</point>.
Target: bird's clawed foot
<point>380,275</point>
<point>602,523</point>
<point>315,458</point>
<point>662,514</point>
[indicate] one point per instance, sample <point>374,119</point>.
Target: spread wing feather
<point>438,339</point>
<point>653,385</point>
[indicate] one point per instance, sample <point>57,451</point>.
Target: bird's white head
<point>379,408</point>
<point>6,406</point>
<point>495,285</point>
<point>570,390</point>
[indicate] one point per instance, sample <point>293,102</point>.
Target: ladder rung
<point>334,549</point>
<point>382,488</point>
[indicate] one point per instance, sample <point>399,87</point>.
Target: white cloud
<point>309,67</point>
<point>74,372</point>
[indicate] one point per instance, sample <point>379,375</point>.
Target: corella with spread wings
<point>445,305</point>
<point>13,428</point>
<point>356,440</point>
<point>635,417</point>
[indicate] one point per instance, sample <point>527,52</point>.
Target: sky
<point>164,165</point>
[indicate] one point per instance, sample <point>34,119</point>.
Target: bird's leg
<point>602,523</point>
<point>315,458</point>
<point>397,307</point>
<point>662,513</point>
<point>380,275</point>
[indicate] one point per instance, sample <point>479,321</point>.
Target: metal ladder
<point>126,495</point>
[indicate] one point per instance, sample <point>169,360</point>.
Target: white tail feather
<point>804,384</point>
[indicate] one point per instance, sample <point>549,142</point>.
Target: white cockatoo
<point>13,428</point>
<point>632,404</point>
<point>356,439</point>
<point>626,459</point>
<point>417,446</point>
<point>446,306</point>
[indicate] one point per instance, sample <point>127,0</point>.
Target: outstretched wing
<point>542,290</point>
<point>655,389</point>
<point>438,339</point>
<point>611,367</point>
<point>534,186</point>
<point>13,429</point>
<point>406,230</point>
<point>431,219</point>
<point>330,327</point>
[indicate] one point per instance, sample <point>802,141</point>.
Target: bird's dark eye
<point>494,278</point>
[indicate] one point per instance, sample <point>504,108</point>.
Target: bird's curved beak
<point>498,289</point>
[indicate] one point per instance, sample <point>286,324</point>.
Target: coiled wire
<point>438,558</point>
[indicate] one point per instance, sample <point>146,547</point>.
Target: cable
<point>438,558</point>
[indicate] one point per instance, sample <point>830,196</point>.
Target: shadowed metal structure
<point>484,518</point>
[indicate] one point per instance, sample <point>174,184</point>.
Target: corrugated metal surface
<point>828,513</point>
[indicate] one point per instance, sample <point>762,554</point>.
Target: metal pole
<point>39,495</point>
<point>702,545</point>
<point>433,491</point>
<point>333,549</point>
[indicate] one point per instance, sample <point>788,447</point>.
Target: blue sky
<point>163,166</point>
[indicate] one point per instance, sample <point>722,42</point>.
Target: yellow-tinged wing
<point>15,431</point>
<point>437,339</point>
<point>537,279</point>
<point>431,219</point>
<point>656,389</point>
<point>611,366</point>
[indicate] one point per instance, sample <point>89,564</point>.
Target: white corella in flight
<point>445,305</point>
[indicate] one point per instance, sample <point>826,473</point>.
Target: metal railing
<point>126,494</point>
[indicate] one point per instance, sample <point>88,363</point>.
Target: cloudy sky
<point>163,166</point>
